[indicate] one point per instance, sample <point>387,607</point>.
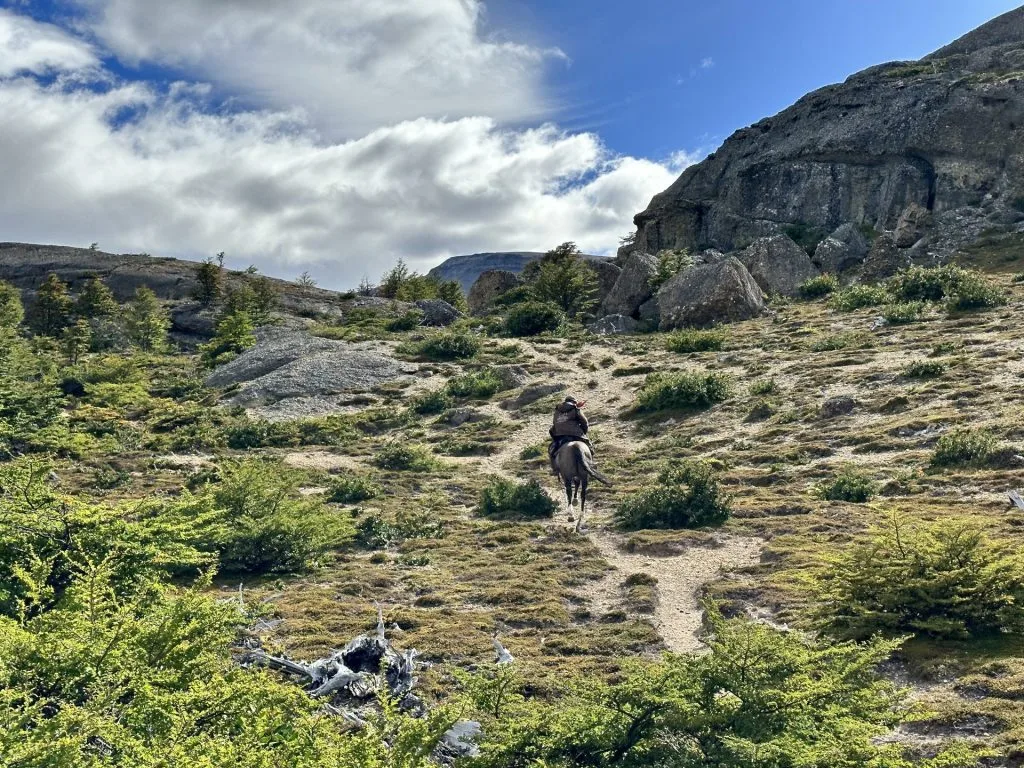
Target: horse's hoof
<point>572,519</point>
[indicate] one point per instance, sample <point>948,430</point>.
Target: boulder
<point>844,248</point>
<point>710,294</point>
<point>613,324</point>
<point>488,287</point>
<point>837,406</point>
<point>884,259</point>
<point>633,286</point>
<point>438,313</point>
<point>192,318</point>
<point>649,312</point>
<point>912,225</point>
<point>511,376</point>
<point>607,275</point>
<point>778,265</point>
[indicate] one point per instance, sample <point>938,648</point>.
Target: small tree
<point>147,321</point>
<point>52,310</point>
<point>11,310</point>
<point>76,340</point>
<point>306,280</point>
<point>264,300</point>
<point>393,280</point>
<point>562,278</point>
<point>451,291</point>
<point>96,300</point>
<point>234,335</point>
<point>209,283</point>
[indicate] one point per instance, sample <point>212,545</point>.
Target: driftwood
<point>1016,500</point>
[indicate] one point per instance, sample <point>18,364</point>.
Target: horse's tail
<point>587,461</point>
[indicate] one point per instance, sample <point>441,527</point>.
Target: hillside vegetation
<point>822,491</point>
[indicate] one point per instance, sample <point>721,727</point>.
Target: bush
<point>688,340</point>
<point>376,532</point>
<point>450,345</point>
<point>352,489</point>
<point>480,384</point>
<point>845,340</point>
<point>924,369</point>
<point>965,447</point>
<point>763,387</point>
<point>858,297</point>
<point>849,485</point>
<point>436,401</point>
<point>683,390</point>
<point>561,277</point>
<point>670,264</point>
<point>974,292</point>
<point>503,499</point>
<point>822,285</point>
<point>403,457</point>
<point>904,312</point>
<point>682,496</point>
<point>533,318</point>
<point>962,289</point>
<point>406,322</point>
<point>945,579</point>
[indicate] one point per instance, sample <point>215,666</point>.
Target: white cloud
<point>707,63</point>
<point>30,46</point>
<point>177,180</point>
<point>352,65</point>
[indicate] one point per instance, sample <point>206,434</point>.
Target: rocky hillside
<point>466,269</point>
<point>938,142</point>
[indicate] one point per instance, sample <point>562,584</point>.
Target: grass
<point>692,340</point>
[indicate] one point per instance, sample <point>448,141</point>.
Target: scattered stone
<point>613,324</point>
<point>884,259</point>
<point>838,406</point>
<point>489,287</point>
<point>532,394</point>
<point>438,313</point>
<point>843,249</point>
<point>511,376</point>
<point>912,224</point>
<point>778,265</point>
<point>459,416</point>
<point>705,295</point>
<point>633,286</point>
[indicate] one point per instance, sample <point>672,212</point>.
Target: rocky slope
<point>466,269</point>
<point>940,141</point>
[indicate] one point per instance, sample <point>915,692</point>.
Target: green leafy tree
<point>561,277</point>
<point>146,321</point>
<point>451,291</point>
<point>51,312</point>
<point>393,280</point>
<point>234,335</point>
<point>264,300</point>
<point>12,312</point>
<point>96,300</point>
<point>209,283</point>
<point>76,340</point>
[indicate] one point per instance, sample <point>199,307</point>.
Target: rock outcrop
<point>488,287</point>
<point>608,274</point>
<point>438,313</point>
<point>633,286</point>
<point>613,325</point>
<point>710,294</point>
<point>842,250</point>
<point>945,134</point>
<point>778,265</point>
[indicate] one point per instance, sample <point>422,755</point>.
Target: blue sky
<point>336,136</point>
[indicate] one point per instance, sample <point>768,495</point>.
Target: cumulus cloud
<point>29,46</point>
<point>352,65</point>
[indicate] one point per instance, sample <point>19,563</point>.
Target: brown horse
<point>575,464</point>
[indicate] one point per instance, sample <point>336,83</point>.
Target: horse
<point>575,465</point>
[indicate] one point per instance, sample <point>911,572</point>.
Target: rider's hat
<point>570,400</point>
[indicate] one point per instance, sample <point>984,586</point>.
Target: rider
<point>569,423</point>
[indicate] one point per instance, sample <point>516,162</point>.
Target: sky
<point>337,136</point>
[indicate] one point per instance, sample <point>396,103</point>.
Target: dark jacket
<point>569,421</point>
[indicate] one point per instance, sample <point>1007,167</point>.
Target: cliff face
<point>466,269</point>
<point>945,133</point>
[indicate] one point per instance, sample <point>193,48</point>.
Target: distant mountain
<point>466,269</point>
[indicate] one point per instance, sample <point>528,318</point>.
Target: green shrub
<point>858,297</point>
<point>849,485</point>
<point>965,447</point>
<point>562,277</point>
<point>682,390</point>
<point>12,312</point>
<point>974,292</point>
<point>404,457</point>
<point>822,285</point>
<point>945,579</point>
<point>534,451</point>
<point>682,496</point>
<point>670,264</point>
<point>925,369</point>
<point>504,499</point>
<point>405,322</point>
<point>904,312</point>
<point>533,318</point>
<point>763,387</point>
<point>926,283</point>
<point>377,532</point>
<point>352,489</point>
<point>436,401</point>
<point>450,345</point>
<point>690,340</point>
<point>479,384</point>
<point>844,340</point>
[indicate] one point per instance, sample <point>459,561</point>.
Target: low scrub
<point>943,579</point>
<point>966,447</point>
<point>450,345</point>
<point>925,369</point>
<point>479,384</point>
<point>352,489</point>
<point>405,322</point>
<point>504,499</point>
<point>690,340</point>
<point>903,312</point>
<point>437,401</point>
<point>377,532</point>
<point>962,289</point>
<point>763,387</point>
<point>404,457</point>
<point>858,297</point>
<point>682,496</point>
<point>533,318</point>
<point>849,485</point>
<point>845,340</point>
<point>822,285</point>
<point>683,390</point>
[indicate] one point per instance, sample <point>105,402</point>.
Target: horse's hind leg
<point>568,497</point>
<point>583,503</point>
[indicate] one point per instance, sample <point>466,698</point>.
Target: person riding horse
<point>569,424</point>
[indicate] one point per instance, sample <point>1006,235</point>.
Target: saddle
<point>558,442</point>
